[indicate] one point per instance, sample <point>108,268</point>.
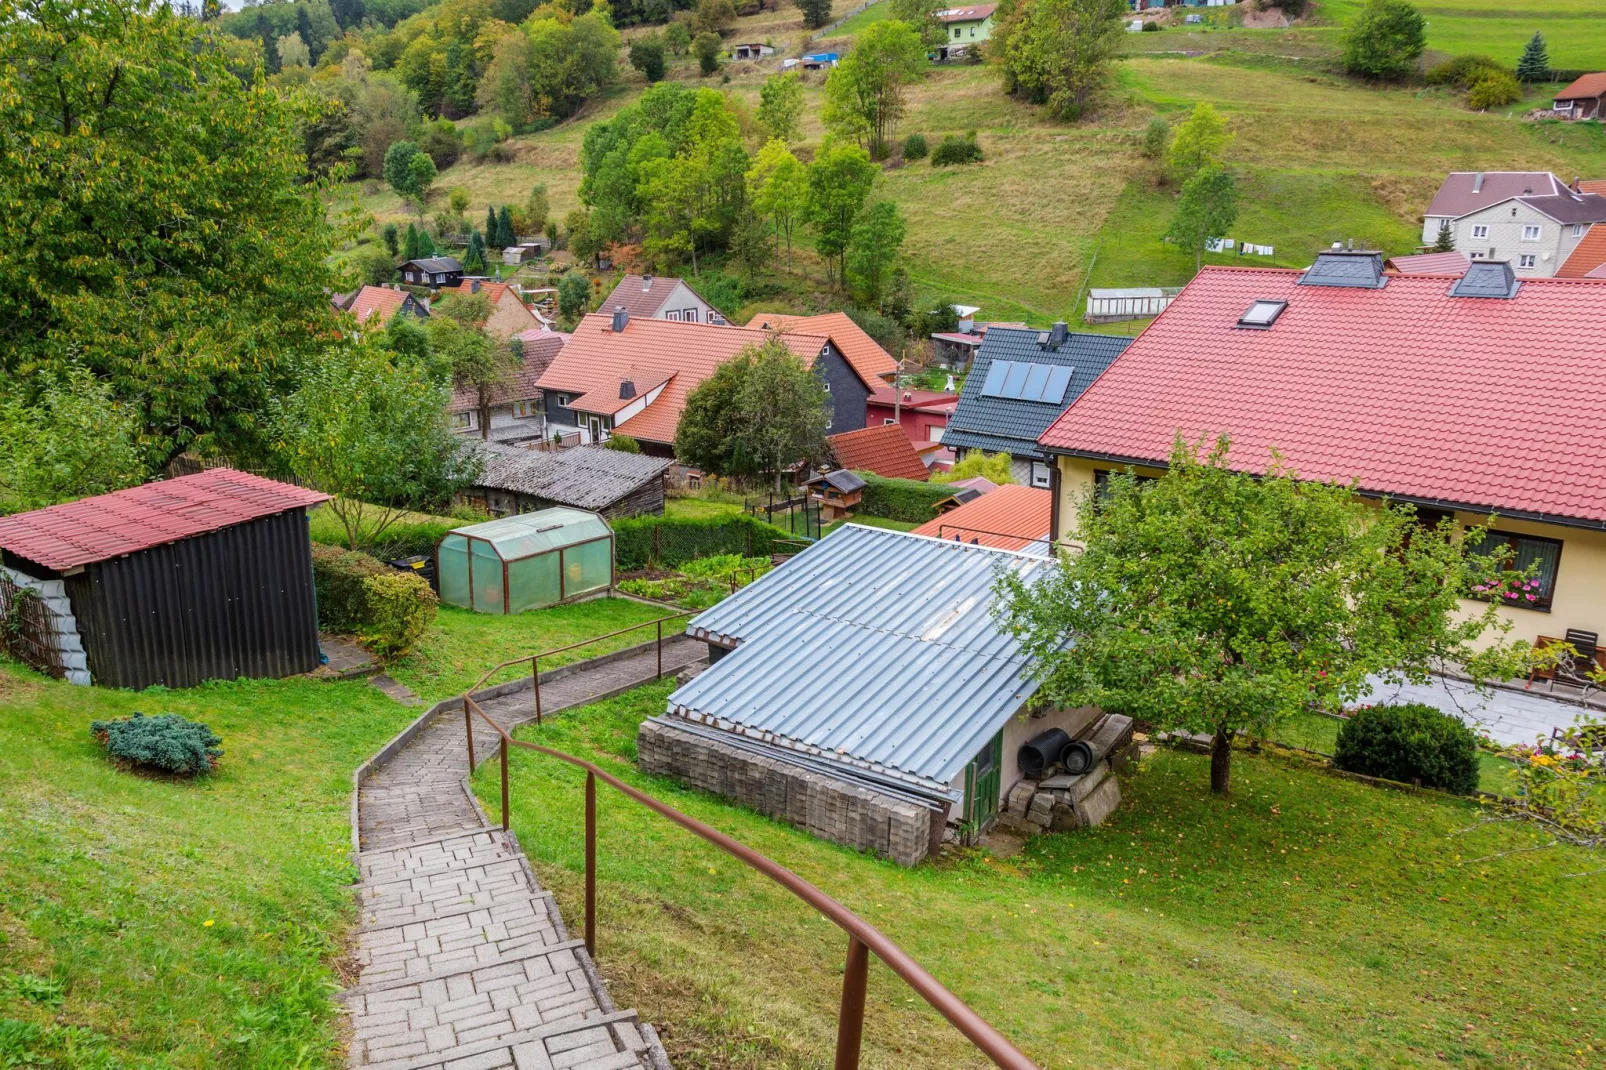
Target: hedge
<point>387,609</point>
<point>682,539</point>
<point>908,500</point>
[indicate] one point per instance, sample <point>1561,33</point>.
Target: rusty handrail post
<point>591,862</point>
<point>468,730</point>
<point>503,749</point>
<point>850,1020</point>
<point>535,685</point>
<point>660,675</point>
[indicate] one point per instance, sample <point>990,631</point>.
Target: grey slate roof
<point>433,264</point>
<point>875,650</point>
<point>1011,425</point>
<point>844,480</point>
<point>586,477</point>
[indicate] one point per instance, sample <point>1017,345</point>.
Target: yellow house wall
<point>1580,595</point>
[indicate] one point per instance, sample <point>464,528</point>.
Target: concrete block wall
<point>832,809</point>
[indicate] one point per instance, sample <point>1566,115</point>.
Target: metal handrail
<point>862,936</point>
<point>535,660</point>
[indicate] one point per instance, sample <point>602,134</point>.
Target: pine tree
<point>490,223</point>
<point>1445,243</point>
<point>1534,66</point>
<point>474,258</point>
<point>410,244</point>
<point>504,228</point>
<point>426,244</point>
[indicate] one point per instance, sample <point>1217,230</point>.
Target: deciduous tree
<point>1223,602</point>
<point>761,412</point>
<point>707,47</point>
<point>1201,141</point>
<point>1385,40</point>
<point>1058,52</point>
<point>816,13</point>
<point>70,439</point>
<point>873,250</point>
<point>921,15</point>
<point>647,56</point>
<point>1207,209</point>
<point>864,95</point>
<point>574,294</point>
<point>779,189</point>
<point>780,107</point>
<point>839,178</point>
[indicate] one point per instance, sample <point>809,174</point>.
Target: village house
<point>433,271</point>
<point>751,50</point>
<point>881,449</point>
<point>964,28</point>
<point>656,297</point>
<point>374,306</point>
<point>1531,218</point>
<point>1022,380</point>
<point>866,691</point>
<point>611,483</point>
<point>509,314</point>
<point>1464,397</point>
<point>1010,517</point>
<point>510,410</point>
<point>956,349</point>
<point>1585,98</point>
<point>623,375</point>
<point>873,364</point>
<point>923,414</point>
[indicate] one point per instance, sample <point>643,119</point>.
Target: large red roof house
<point>1465,395</point>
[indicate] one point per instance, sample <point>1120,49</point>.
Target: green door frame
<point>983,779</point>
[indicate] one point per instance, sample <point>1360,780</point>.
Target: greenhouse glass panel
<point>533,582</point>
<point>486,568</point>
<point>587,567</point>
<point>451,570</point>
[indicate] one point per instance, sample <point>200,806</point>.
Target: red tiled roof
<point>1593,185</point>
<point>924,400</point>
<point>596,358</point>
<point>377,301</point>
<point>1483,402</point>
<point>609,398</point>
<point>1431,264</point>
<point>966,14</point>
<point>77,533</point>
<point>541,347</point>
<point>1589,85</point>
<point>492,291</point>
<point>1587,255</point>
<point>872,363</point>
<point>1010,517</point>
<point>883,449</point>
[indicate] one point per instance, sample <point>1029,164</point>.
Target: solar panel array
<point>1026,381</point>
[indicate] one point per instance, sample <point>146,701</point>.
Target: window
<point>1518,553</point>
<point>1026,382</point>
<point>689,315</point>
<point>1476,256</point>
<point>1262,314</point>
<point>1526,260</point>
<point>673,314</point>
<point>523,409</point>
<point>956,32</point>
<point>1040,474</point>
<point>934,432</point>
<point>885,420</point>
<point>1480,231</point>
<point>1578,230</point>
<point>973,31</point>
<point>462,421</point>
<point>560,399</point>
<point>1530,232</point>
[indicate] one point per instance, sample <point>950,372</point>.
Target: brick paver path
<point>466,963</point>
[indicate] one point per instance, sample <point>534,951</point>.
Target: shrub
<point>707,47</point>
<point>1494,91</point>
<point>167,743</point>
<point>647,56</point>
<point>672,541</point>
<point>906,500</point>
<point>1464,72</point>
<point>1408,743</point>
<point>915,147</point>
<point>387,609</point>
<point>1156,138</point>
<point>956,150</point>
<point>622,443</point>
<point>1151,27</point>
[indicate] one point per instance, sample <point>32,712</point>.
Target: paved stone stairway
<point>466,963</point>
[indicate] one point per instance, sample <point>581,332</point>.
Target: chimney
<point>1527,191</point>
<point>627,389</point>
<point>474,287</point>
<point>1350,245</point>
<point>621,316</point>
<point>1057,334</point>
<point>1477,183</point>
<point>1574,186</point>
<point>646,283</point>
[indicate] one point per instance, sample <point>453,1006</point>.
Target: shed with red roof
<point>204,577</point>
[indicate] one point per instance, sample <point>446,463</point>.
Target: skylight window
<point>1027,381</point>
<point>1262,314</point>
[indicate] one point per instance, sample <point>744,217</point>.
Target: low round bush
<point>1408,743</point>
<point>165,743</point>
<point>956,150</point>
<point>1151,27</point>
<point>915,147</point>
<point>1464,72</point>
<point>1494,91</point>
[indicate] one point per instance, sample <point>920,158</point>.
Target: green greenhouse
<point>526,561</point>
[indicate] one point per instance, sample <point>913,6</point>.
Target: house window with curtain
<point>1520,553</point>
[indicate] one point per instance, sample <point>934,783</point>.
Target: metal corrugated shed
<point>875,649</point>
<point>1011,425</point>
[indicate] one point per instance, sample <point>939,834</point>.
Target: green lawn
<point>1315,732</point>
<point>869,522</point>
<point>701,507</point>
<point>877,12</point>
<point>1309,922</point>
<point>180,924</point>
<point>1575,30</point>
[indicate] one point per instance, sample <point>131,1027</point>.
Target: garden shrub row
<point>640,541</point>
<point>387,609</point>
<point>906,500</point>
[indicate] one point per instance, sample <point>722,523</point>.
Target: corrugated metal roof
<point>587,477</point>
<point>874,648</point>
<point>1012,425</point>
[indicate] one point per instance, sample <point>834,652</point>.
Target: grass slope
<point>180,924</point>
<point>1310,921</point>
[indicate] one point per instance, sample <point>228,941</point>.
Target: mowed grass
<point>154,923</point>
<point>1575,30</point>
<point>1308,922</point>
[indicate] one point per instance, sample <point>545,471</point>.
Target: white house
<point>1532,219</point>
<point>656,297</point>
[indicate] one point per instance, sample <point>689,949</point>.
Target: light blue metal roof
<point>877,649</point>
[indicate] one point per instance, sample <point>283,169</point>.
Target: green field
<point>1309,922</point>
<point>1575,30</point>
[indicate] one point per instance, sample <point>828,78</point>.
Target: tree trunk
<point>1221,763</point>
